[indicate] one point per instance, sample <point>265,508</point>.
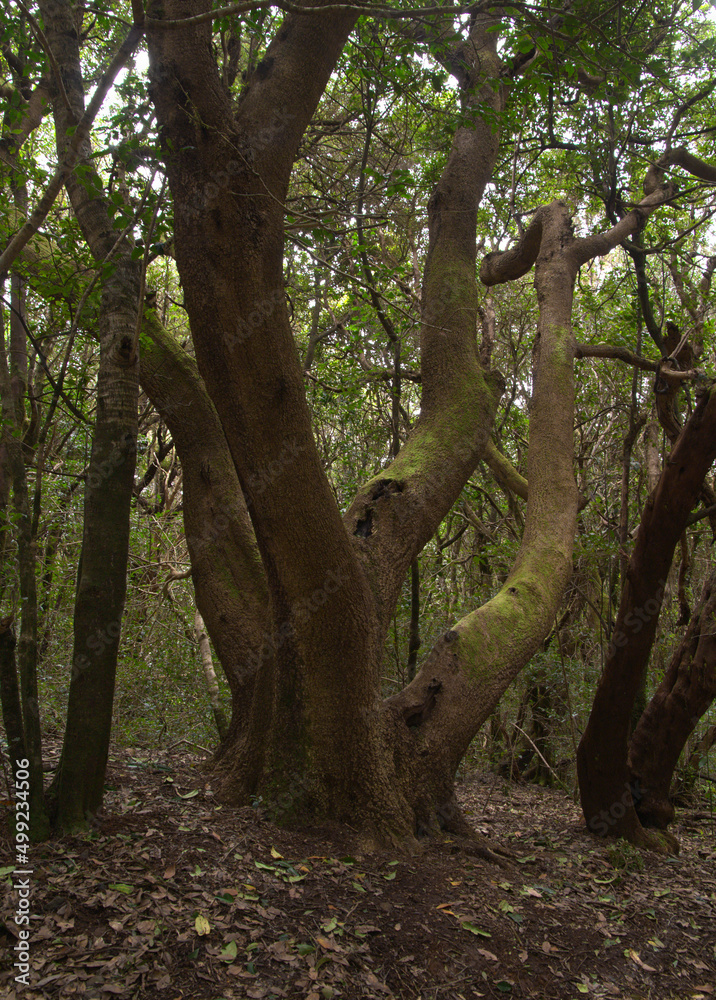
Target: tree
<point>608,796</point>
<point>679,702</point>
<point>101,581</point>
<point>330,745</point>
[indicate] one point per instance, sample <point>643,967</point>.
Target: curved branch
<point>507,265</point>
<point>504,471</point>
<point>396,513</point>
<point>681,157</point>
<point>616,354</point>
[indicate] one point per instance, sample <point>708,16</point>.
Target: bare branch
<point>617,354</point>
<point>449,11</point>
<point>504,472</point>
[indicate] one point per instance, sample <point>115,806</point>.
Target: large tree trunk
<point>467,672</point>
<point>102,576</point>
<point>682,698</point>
<point>329,602</point>
<point>604,781</point>
<point>333,582</point>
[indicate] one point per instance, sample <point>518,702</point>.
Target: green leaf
<point>474,929</point>
<point>229,952</point>
<point>121,887</point>
<point>525,44</point>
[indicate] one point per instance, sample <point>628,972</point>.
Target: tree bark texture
<point>229,580</point>
<point>10,694</point>
<point>605,787</point>
<point>682,698</point>
<point>13,468</point>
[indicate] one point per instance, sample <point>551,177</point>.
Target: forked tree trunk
<point>331,746</point>
<point>606,791</point>
<point>682,698</point>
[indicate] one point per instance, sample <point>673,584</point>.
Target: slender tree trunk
<point>12,385</point>
<point>102,576</point>
<point>682,698</point>
<point>10,695</point>
<point>652,433</point>
<point>604,782</point>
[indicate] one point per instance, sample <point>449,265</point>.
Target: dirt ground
<point>173,896</point>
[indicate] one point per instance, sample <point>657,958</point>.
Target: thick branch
<point>229,581</point>
<point>399,511</point>
<point>508,265</point>
<point>681,157</point>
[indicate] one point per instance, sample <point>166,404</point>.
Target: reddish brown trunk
<point>604,779</point>
<point>681,699</point>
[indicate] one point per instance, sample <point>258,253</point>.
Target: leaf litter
<point>173,896</point>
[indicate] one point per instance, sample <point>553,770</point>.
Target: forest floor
<point>173,897</point>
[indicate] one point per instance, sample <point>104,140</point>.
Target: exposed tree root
<point>659,841</point>
<point>482,847</point>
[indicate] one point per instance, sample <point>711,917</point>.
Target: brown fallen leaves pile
<point>172,896</point>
